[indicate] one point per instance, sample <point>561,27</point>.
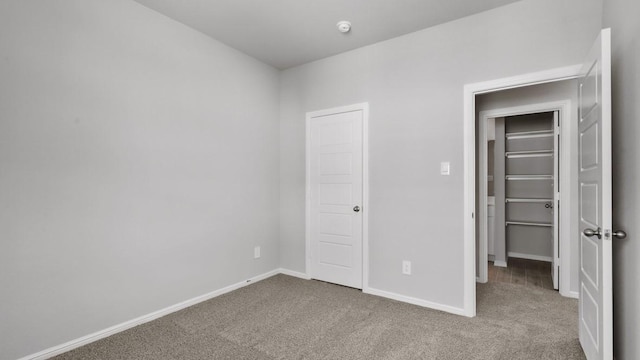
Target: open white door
<point>596,308</point>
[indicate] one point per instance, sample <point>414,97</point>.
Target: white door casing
<point>595,302</point>
<point>335,195</point>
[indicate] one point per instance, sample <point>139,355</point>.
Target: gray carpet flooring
<point>288,318</point>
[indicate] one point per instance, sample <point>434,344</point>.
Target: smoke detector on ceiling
<point>344,26</point>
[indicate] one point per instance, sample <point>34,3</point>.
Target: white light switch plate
<point>445,168</point>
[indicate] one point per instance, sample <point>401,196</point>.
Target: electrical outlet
<point>256,252</point>
<point>406,267</point>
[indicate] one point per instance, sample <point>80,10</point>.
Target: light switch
<point>445,168</point>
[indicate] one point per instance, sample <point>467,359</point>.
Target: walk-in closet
<point>525,185</point>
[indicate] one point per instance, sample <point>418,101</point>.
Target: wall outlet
<point>406,267</point>
<point>256,252</point>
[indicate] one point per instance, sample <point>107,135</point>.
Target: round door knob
<point>620,234</point>
<point>356,208</point>
<point>591,232</point>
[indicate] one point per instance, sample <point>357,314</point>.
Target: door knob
<point>620,234</point>
<point>356,208</point>
<point>591,232</point>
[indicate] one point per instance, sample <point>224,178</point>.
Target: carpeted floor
<point>288,318</point>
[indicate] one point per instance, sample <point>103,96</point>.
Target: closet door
<point>335,180</point>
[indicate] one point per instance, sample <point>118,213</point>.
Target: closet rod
<point>528,223</point>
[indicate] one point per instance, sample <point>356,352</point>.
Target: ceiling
<point>286,33</point>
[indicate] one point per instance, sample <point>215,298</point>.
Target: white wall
<point>538,94</point>
<point>622,17</point>
<point>138,167</point>
<point>414,85</point>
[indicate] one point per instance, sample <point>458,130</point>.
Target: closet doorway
<point>523,168</point>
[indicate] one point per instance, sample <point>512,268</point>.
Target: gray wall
<point>557,91</point>
<point>138,167</point>
<point>414,85</point>
<point>622,17</point>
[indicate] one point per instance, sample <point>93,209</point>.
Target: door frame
<point>469,149</point>
<point>364,107</point>
<point>564,221</point>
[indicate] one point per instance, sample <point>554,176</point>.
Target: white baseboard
<point>529,256</point>
<point>295,274</point>
<point>500,263</point>
<point>414,301</point>
<point>70,345</point>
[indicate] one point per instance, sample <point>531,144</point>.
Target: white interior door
<point>555,209</point>
<point>596,309</point>
<point>335,180</point>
